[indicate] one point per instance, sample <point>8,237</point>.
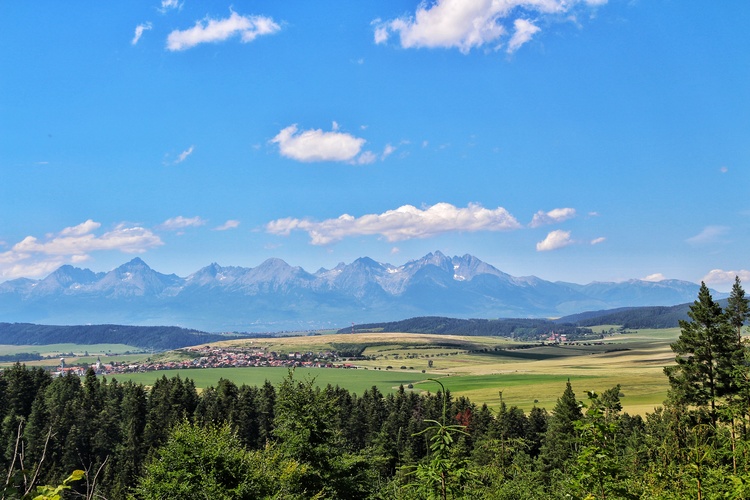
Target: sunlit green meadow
<point>480,368</point>
<point>355,380</point>
<point>476,367</point>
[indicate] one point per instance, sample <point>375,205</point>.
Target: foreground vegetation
<point>299,440</point>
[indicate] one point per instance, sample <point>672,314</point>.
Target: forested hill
<point>529,329</point>
<point>145,337</point>
<point>633,317</point>
<point>628,317</point>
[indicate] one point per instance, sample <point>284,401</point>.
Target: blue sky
<point>575,140</point>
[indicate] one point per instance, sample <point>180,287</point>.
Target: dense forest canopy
<point>522,329</point>
<point>159,338</point>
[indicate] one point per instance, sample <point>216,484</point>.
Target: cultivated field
<point>74,353</point>
<point>477,367</point>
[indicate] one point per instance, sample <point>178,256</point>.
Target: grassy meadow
<point>81,353</point>
<point>480,368</point>
<point>356,381</point>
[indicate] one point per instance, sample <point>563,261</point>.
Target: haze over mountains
<point>275,296</point>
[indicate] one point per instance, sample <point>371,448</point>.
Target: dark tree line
<point>145,337</point>
<point>524,329</point>
<point>296,440</point>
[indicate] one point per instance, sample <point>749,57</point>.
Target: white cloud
<point>725,279</point>
<point>381,32</point>
<point>468,24</point>
<point>554,240</point>
<point>598,240</point>
<point>524,31</point>
<point>81,229</point>
<point>387,151</point>
<point>180,222</point>
<point>230,224</point>
<point>73,241</point>
<point>655,277</point>
<point>218,30</point>
<point>552,217</point>
<point>183,156</point>
<point>167,5</point>
<point>404,223</point>
<point>30,269</point>
<point>33,256</point>
<point>316,145</point>
<point>139,32</point>
<point>710,234</point>
<point>366,158</point>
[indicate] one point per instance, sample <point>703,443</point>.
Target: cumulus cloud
<point>230,224</point>
<point>404,223</point>
<point>655,277</point>
<point>552,217</point>
<point>316,145</point>
<point>710,234</point>
<point>34,256</point>
<point>180,222</point>
<point>139,32</point>
<point>718,278</point>
<point>598,240</point>
<point>208,30</point>
<point>554,240</point>
<point>468,24</point>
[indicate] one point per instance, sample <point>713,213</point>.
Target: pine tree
<point>706,354</point>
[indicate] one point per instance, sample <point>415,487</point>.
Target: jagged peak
<point>135,263</point>
<point>366,262</point>
<point>275,262</point>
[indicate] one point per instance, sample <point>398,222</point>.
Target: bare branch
<point>30,486</point>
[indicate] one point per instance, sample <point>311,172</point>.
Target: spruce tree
<point>737,313</point>
<point>737,310</point>
<point>706,355</point>
<point>560,440</point>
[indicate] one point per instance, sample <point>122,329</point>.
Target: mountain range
<point>275,296</point>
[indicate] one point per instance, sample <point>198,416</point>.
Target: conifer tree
<point>560,440</point>
<point>706,354</point>
<point>737,310</point>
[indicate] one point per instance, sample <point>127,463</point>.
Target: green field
<point>476,367</point>
<point>356,380</point>
<point>77,349</point>
<point>83,354</point>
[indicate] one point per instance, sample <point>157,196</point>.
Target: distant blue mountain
<point>275,296</point>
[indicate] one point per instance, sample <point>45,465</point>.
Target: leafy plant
<point>444,475</point>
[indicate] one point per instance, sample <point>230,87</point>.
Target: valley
<point>479,368</point>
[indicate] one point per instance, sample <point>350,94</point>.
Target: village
<point>211,357</point>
